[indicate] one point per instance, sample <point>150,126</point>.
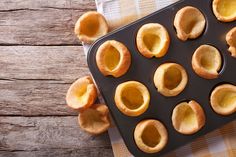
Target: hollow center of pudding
<point>208,60</point>
<point>112,58</point>
<point>151,136</point>
<point>172,78</point>
<point>190,26</point>
<point>93,119</point>
<point>132,98</point>
<point>186,117</point>
<point>152,42</point>
<point>81,92</point>
<point>90,26</point>
<point>228,99</point>
<point>227,7</point>
<point>189,117</point>
<point>192,21</point>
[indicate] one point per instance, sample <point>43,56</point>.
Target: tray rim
<point>124,27</point>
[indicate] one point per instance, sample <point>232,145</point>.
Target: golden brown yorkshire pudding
<point>189,23</point>
<point>152,40</point>
<point>132,98</point>
<point>223,99</point>
<point>95,120</point>
<point>113,58</point>
<point>150,136</point>
<point>224,10</point>
<point>170,79</point>
<point>188,117</point>
<point>90,26</point>
<point>231,41</point>
<point>81,94</point>
<point>206,61</point>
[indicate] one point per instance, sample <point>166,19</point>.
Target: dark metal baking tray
<point>142,70</point>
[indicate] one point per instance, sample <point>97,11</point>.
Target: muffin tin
<point>142,69</point>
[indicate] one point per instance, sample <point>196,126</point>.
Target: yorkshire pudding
<point>113,58</point>
<point>170,79</point>
<point>152,40</point>
<point>95,120</point>
<point>132,98</point>
<point>188,117</point>
<point>150,136</point>
<point>81,94</point>
<point>223,99</point>
<point>90,26</point>
<point>206,61</point>
<point>224,10</point>
<point>231,41</point>
<point>189,23</point>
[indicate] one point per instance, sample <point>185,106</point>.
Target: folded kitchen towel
<point>219,143</point>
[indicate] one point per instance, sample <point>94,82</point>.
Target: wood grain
<point>39,58</point>
<point>61,63</point>
<point>34,79</point>
<point>43,136</point>
<point>32,98</point>
<point>40,22</point>
<point>9,5</point>
<point>84,152</point>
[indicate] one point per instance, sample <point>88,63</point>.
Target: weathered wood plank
<point>64,63</point>
<point>34,80</point>
<point>40,22</point>
<point>9,5</point>
<point>31,98</point>
<point>84,152</point>
<point>49,136</point>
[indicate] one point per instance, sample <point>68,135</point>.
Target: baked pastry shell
<point>189,16</point>
<point>124,58</point>
<point>159,79</point>
<point>219,16</point>
<point>219,94</point>
<point>95,120</point>
<point>210,55</point>
<point>90,26</point>
<point>140,129</point>
<point>81,94</point>
<point>177,118</point>
<point>231,41</point>
<point>137,87</point>
<point>150,30</point>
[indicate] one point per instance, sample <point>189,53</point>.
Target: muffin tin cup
<point>142,69</point>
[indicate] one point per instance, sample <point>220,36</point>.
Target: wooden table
<point>39,58</point>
